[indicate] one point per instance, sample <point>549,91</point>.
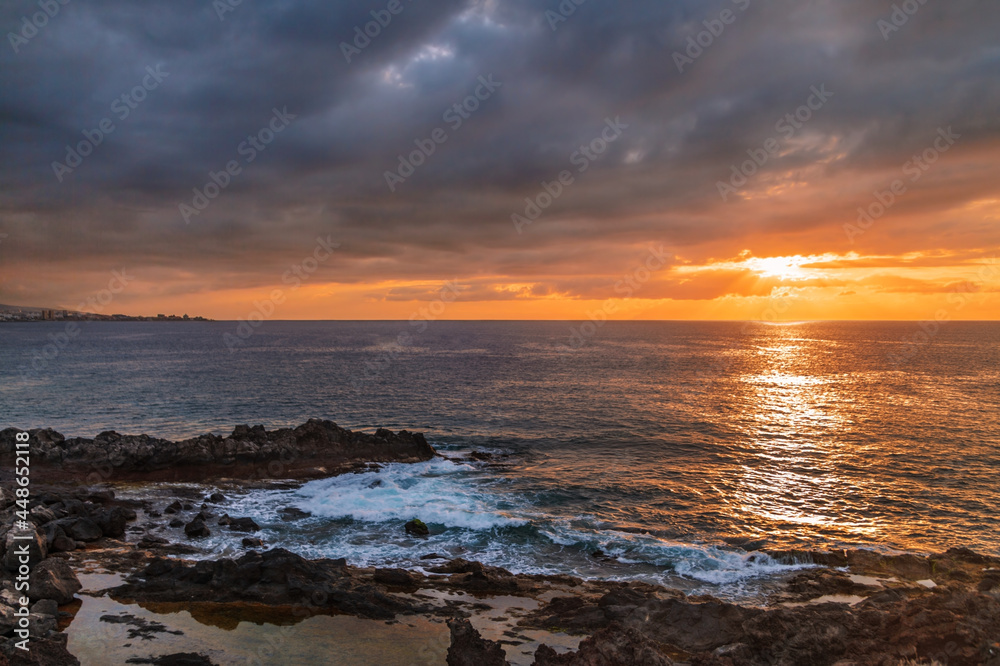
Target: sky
<point>502,159</point>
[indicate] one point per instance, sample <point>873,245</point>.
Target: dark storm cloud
<point>324,174</point>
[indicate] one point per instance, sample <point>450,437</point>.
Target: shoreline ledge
<point>92,549</point>
<point>318,448</point>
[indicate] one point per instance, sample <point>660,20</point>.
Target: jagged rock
<point>83,529</point>
<point>176,522</point>
<point>252,542</point>
<point>311,445</point>
<point>173,507</point>
<point>44,651</point>
<point>46,607</point>
<point>34,546</point>
<point>394,577</point>
<point>243,525</point>
<point>53,579</point>
<point>417,527</point>
<point>468,648</point>
<point>276,577</point>
<point>113,521</point>
<point>197,529</point>
<point>291,513</point>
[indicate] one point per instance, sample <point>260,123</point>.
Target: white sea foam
<point>436,492</point>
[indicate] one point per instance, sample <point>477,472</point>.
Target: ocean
<point>665,451</point>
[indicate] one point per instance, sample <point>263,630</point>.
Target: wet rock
<point>468,648</point>
<point>53,579</point>
<point>46,607</point>
<point>217,498</point>
<point>176,522</point>
<point>246,453</point>
<point>433,556</point>
<point>243,525</point>
<point>478,577</point>
<point>197,529</point>
<point>44,651</point>
<point>113,521</point>
<point>252,542</point>
<point>276,577</point>
<point>394,577</point>
<point>416,527</point>
<point>151,541</point>
<point>188,506</point>
<point>173,507</point>
<point>83,529</point>
<point>34,547</point>
<point>225,519</point>
<point>176,659</point>
<point>290,513</point>
<point>613,646</point>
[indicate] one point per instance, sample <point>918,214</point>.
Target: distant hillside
<point>27,308</point>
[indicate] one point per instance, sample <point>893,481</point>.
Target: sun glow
<point>786,268</point>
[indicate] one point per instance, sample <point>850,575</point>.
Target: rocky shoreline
<point>850,607</point>
<point>314,449</point>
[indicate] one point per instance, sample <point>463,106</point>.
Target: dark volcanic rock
<point>277,577</point>
<point>217,498</point>
<point>53,579</point>
<point>313,444</point>
<point>83,529</point>
<point>243,525</point>
<point>37,549</point>
<point>48,651</point>
<point>468,648</point>
<point>417,527</point>
<point>614,646</point>
<point>252,542</point>
<point>113,521</point>
<point>176,659</point>
<point>174,507</point>
<point>197,529</point>
<point>291,513</point>
<point>394,577</point>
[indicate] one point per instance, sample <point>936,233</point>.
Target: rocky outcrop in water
<point>315,448</point>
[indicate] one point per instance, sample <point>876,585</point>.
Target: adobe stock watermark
<point>419,322</point>
<point>294,277</point>
<point>960,296</point>
<point>698,43</point>
<point>455,115</point>
<point>565,9</point>
<point>248,149</point>
<point>37,21</point>
<point>627,287</point>
<point>787,126</point>
<point>223,7</point>
<point>122,107</point>
<point>899,17</point>
<point>96,303</point>
<point>581,158</point>
<point>372,29</point>
<point>914,168</point>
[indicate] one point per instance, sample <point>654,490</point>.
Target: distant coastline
<point>14,313</point>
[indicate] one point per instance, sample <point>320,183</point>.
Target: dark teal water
<point>716,438</point>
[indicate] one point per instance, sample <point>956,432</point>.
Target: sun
<point>785,268</point>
